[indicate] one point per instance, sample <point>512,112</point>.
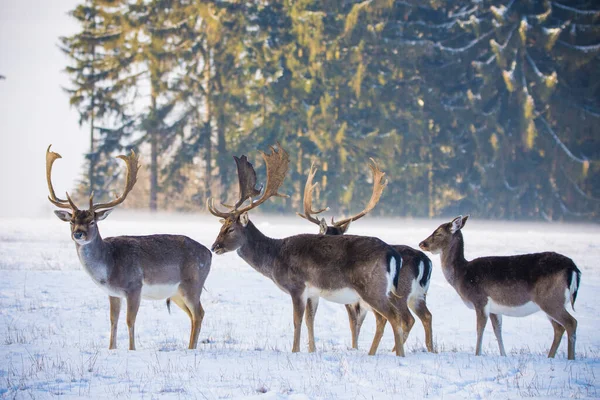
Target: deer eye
<point>92,223</point>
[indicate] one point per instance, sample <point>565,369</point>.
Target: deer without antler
<point>342,269</point>
<point>133,267</point>
<point>413,280</point>
<point>516,286</point>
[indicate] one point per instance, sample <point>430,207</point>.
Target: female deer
<point>516,286</point>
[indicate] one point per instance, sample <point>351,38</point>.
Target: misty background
<point>482,107</point>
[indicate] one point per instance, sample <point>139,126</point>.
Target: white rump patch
<point>513,311</point>
<point>159,292</point>
<point>392,275</point>
<point>416,290</point>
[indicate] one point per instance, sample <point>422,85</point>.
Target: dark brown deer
<point>134,267</point>
<point>342,269</point>
<point>516,286</point>
<point>413,280</point>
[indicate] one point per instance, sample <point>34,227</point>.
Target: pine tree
<point>97,88</point>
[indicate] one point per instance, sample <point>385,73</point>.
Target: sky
<point>34,110</point>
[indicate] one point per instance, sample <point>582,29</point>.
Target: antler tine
<point>132,169</point>
<point>211,207</point>
<point>309,189</point>
<point>379,183</point>
<point>50,158</point>
<point>277,166</point>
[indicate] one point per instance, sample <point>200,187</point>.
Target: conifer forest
<point>481,107</point>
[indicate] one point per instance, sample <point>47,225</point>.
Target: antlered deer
<point>516,286</point>
<point>413,280</point>
<point>342,269</point>
<point>134,267</point>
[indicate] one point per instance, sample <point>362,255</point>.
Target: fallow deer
<point>413,281</point>
<point>342,269</point>
<point>134,267</point>
<point>516,286</point>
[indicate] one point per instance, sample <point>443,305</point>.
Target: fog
<point>34,109</point>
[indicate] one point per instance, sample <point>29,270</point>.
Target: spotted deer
<point>516,286</point>
<point>134,267</point>
<point>413,280</point>
<point>342,269</point>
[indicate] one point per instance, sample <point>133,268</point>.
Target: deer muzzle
<point>217,248</point>
<point>79,236</point>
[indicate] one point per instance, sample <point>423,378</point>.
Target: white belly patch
<point>340,296</point>
<point>159,292</point>
<point>513,311</point>
<point>109,291</point>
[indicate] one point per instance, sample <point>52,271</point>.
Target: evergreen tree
<point>97,87</point>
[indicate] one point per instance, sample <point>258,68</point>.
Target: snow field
<point>54,324</point>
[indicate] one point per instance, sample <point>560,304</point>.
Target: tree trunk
<point>221,142</point>
<point>207,127</point>
<point>92,165</point>
<point>153,157</point>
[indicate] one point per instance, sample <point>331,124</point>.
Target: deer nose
<point>423,245</point>
<point>215,247</point>
<point>78,235</point>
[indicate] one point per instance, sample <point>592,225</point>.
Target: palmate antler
<point>247,180</point>
<point>309,188</point>
<point>132,169</point>
<point>379,183</point>
<point>277,163</point>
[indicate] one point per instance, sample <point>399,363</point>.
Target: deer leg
<point>390,311</point>
<point>309,319</point>
<point>299,306</point>
<point>559,330</point>
<point>360,318</point>
<point>181,304</point>
<point>407,322</point>
<point>482,318</point>
<point>115,309</point>
<point>353,320</point>
<point>497,325</point>
<point>569,323</point>
<point>197,316</point>
<point>379,328</point>
<point>406,319</point>
<point>191,300</point>
<point>356,316</point>
<point>133,305</point>
<point>419,306</point>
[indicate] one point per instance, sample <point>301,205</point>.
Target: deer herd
<point>362,273</point>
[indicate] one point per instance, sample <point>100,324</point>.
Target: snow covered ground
<point>54,325</point>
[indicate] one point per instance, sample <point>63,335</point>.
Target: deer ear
<point>244,219</point>
<point>101,215</point>
<point>322,226</point>
<point>63,215</point>
<point>457,224</point>
<point>464,220</point>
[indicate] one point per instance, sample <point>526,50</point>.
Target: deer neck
<point>259,250</point>
<point>95,258</point>
<point>453,258</point>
